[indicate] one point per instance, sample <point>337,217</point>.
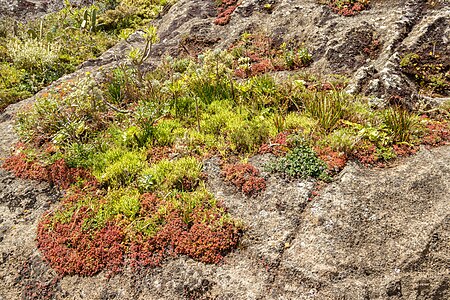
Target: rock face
<point>371,234</point>
<point>367,47</point>
<point>26,9</point>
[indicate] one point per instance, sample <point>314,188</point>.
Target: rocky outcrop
<point>29,9</point>
<point>367,47</point>
<point>370,234</point>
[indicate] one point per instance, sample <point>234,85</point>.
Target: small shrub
<point>300,162</point>
<point>245,177</point>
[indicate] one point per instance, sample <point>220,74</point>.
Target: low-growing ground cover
<point>34,54</point>
<point>224,10</point>
<point>129,151</point>
<point>347,7</point>
<point>430,69</point>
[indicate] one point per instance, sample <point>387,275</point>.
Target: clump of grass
<point>401,123</point>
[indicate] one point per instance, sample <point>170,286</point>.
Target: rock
<point>371,234</point>
<point>394,289</point>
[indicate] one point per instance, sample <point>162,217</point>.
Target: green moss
<point>182,174</point>
<point>248,136</point>
<point>342,139</point>
<point>118,203</point>
<point>295,121</point>
<point>118,167</point>
<point>165,132</point>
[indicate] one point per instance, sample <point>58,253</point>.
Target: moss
<point>182,174</point>
<point>118,167</point>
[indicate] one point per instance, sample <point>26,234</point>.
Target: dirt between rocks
<point>370,234</point>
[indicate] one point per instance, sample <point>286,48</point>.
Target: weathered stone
<point>371,234</point>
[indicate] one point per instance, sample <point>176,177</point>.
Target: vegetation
<point>224,11</point>
<point>301,162</point>
<point>347,7</point>
<point>129,151</point>
<point>34,54</point>
<point>245,177</point>
<point>430,68</point>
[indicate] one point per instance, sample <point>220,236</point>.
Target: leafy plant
<point>89,19</point>
<point>300,162</point>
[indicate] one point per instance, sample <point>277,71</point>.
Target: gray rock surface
<point>371,234</point>
<point>29,9</point>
